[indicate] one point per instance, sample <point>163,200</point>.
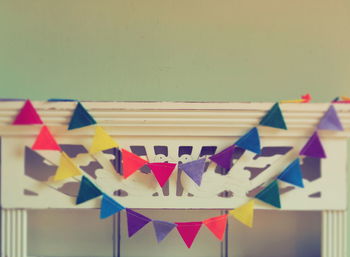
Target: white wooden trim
<point>176,119</point>
<point>334,233</point>
<point>13,233</point>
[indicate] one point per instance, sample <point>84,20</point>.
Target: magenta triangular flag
<point>330,120</point>
<point>313,147</point>
<point>162,171</point>
<point>194,169</point>
<point>27,115</point>
<point>136,221</point>
<point>188,231</point>
<point>224,158</point>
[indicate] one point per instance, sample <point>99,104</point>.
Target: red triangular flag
<point>131,163</point>
<point>217,225</point>
<point>27,115</point>
<point>162,171</point>
<point>188,231</point>
<point>45,141</point>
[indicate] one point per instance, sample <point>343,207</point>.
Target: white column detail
<point>13,233</point>
<point>334,233</point>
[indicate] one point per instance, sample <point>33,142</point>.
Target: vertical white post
<point>334,233</point>
<point>13,233</point>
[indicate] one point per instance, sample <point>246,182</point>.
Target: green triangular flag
<point>87,191</point>
<point>274,118</point>
<point>80,118</point>
<point>270,195</point>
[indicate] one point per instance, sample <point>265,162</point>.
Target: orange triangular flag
<point>217,225</point>
<point>45,141</point>
<point>27,115</point>
<point>66,169</point>
<point>131,163</point>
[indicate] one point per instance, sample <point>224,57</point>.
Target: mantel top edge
<point>181,106</point>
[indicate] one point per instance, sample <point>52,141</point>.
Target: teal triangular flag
<point>87,191</point>
<point>292,174</point>
<point>80,118</point>
<point>274,118</point>
<point>109,207</point>
<point>270,195</point>
<point>250,141</point>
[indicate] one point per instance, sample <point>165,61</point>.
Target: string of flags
<point>131,163</point>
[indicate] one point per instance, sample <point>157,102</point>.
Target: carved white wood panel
<point>174,132</point>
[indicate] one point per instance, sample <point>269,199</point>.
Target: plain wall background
<point>167,50</point>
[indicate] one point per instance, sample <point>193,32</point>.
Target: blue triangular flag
<point>87,191</point>
<point>162,229</point>
<point>250,141</point>
<point>330,120</point>
<point>270,195</point>
<point>109,207</point>
<point>194,169</point>
<point>292,174</point>
<point>274,118</point>
<point>80,118</point>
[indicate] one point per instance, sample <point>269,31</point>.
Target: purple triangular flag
<point>162,229</point>
<point>224,158</point>
<point>194,170</point>
<point>313,147</point>
<point>136,221</point>
<point>330,120</point>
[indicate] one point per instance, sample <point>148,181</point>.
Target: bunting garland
<point>162,171</point>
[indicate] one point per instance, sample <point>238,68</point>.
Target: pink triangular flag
<point>162,171</point>
<point>313,147</point>
<point>217,225</point>
<point>45,141</point>
<point>27,115</point>
<point>188,231</point>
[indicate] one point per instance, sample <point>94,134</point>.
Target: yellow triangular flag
<point>66,169</point>
<point>244,213</point>
<point>102,141</point>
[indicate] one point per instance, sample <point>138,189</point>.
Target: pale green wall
<point>183,50</point>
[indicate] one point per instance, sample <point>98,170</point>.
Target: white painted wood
<point>174,125</point>
<point>13,233</point>
<point>334,233</point>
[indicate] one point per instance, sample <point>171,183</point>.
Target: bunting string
<point>131,163</point>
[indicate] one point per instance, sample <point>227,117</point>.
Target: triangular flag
<point>250,141</point>
<point>66,169</point>
<point>136,221</point>
<point>217,225</point>
<point>87,191</point>
<point>292,174</point>
<point>162,229</point>
<point>330,121</point>
<point>188,231</point>
<point>244,213</point>
<point>274,118</point>
<point>270,195</point>
<point>45,141</point>
<point>80,118</point>
<point>194,169</point>
<point>162,171</point>
<point>313,147</point>
<point>27,115</point>
<point>224,158</point>
<point>131,163</point>
<point>102,141</point>
<point>109,207</point>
